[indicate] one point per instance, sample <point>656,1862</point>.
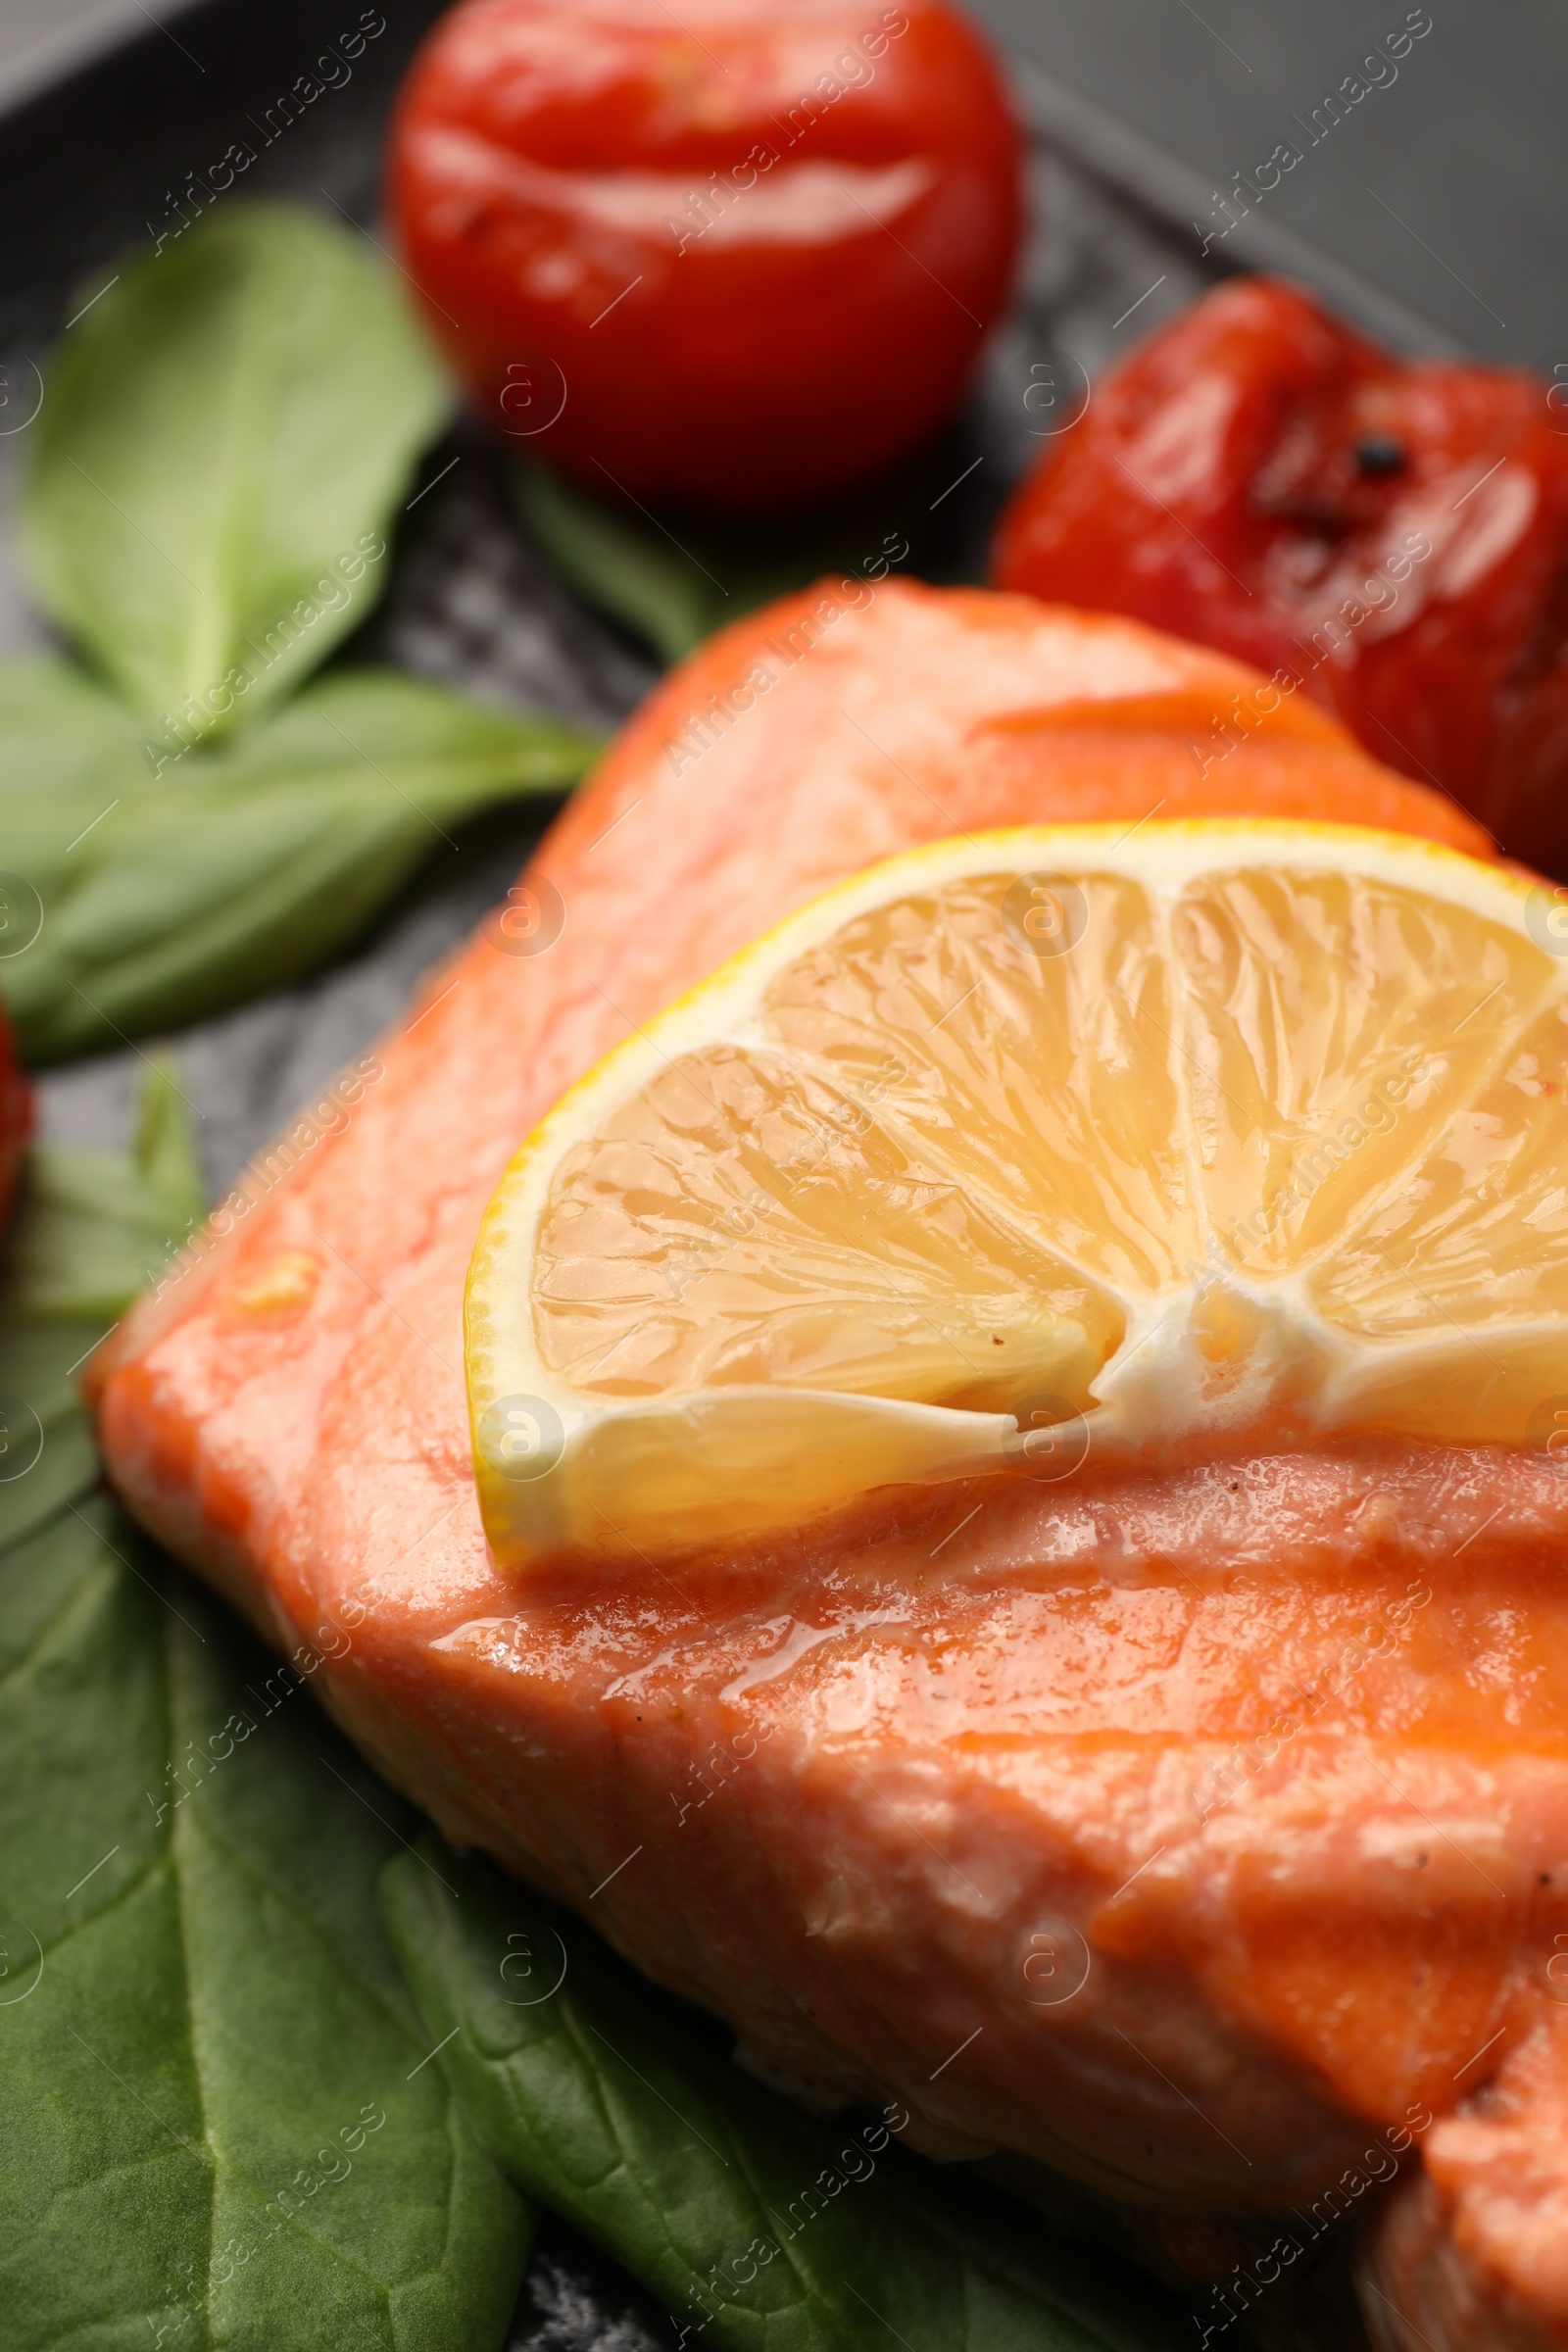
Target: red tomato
<point>15,1116</point>
<point>1387,537</point>
<point>740,258</point>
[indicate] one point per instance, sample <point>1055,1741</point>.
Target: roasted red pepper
<point>732,252</point>
<point>1386,536</point>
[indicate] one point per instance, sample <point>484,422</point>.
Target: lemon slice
<point>1026,1144</point>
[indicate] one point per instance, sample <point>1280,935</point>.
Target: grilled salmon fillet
<point>1202,1834</point>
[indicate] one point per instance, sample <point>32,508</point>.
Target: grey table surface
<point>1444,183</point>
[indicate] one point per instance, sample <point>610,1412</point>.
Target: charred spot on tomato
<point>1306,480</point>
<point>1377,455</point>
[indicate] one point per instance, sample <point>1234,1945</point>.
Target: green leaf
<point>201,2016</point>
<point>673,582</point>
<point>46,1452</point>
<point>618,562</point>
<point>222,443</point>
<point>219,2018</point>
<point>62,739</point>
<point>92,1228</point>
<point>612,2106</point>
<point>241,865</point>
<point>164,1153</point>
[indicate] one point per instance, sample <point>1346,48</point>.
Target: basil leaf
<point>223,2124</point>
<point>221,445</point>
<point>164,1153</point>
<point>46,1452</point>
<point>62,737</point>
<point>673,583</point>
<point>607,2104</point>
<point>92,1228</point>
<point>241,865</point>
<point>617,562</point>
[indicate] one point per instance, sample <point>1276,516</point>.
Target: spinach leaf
<point>221,445</point>
<point>93,1228</point>
<point>673,582</point>
<point>764,2230</point>
<point>223,2124</point>
<point>240,865</point>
